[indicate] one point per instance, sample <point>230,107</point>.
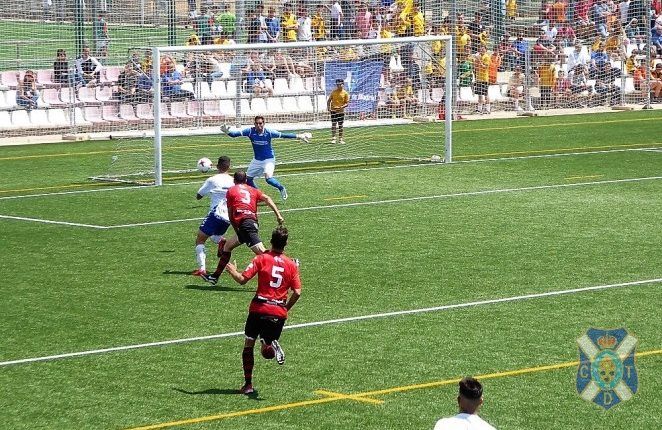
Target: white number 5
<point>276,273</point>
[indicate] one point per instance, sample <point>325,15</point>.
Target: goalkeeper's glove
<point>305,137</point>
<point>225,128</point>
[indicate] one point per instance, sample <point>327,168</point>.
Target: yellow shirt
<point>386,34</point>
<point>547,75</point>
<point>405,92</point>
<point>483,68</point>
<point>402,23</point>
<point>319,28</point>
<point>337,99</point>
<point>289,23</point>
<point>462,41</point>
<point>511,8</point>
<point>418,22</point>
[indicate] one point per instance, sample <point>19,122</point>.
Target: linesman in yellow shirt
<point>336,104</point>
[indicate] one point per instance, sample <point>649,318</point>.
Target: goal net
<point>397,110</point>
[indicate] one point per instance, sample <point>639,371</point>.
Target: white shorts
<point>258,168</point>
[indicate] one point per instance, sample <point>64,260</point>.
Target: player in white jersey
<point>469,400</point>
<point>216,223</point>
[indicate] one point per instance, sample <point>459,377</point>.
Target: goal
<point>399,110</point>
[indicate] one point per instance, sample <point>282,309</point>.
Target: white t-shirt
<point>463,422</point>
<point>336,12</point>
<point>217,187</point>
<point>305,30</point>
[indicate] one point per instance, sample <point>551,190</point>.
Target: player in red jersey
<point>277,275</point>
<point>242,202</point>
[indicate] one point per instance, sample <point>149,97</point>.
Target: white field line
<point>419,198</point>
<point>325,172</point>
<point>337,321</point>
<point>47,221</point>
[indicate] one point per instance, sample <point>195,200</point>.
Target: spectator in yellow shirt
<point>547,81</point>
<point>289,24</point>
<point>511,9</point>
<point>319,27</point>
<point>482,61</point>
<point>418,21</point>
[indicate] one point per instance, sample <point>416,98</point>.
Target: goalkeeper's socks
<point>251,181</point>
<point>248,362</point>
<point>274,183</point>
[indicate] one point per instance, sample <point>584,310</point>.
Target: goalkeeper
<point>264,159</point>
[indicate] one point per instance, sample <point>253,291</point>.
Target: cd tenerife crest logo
<point>607,374</point>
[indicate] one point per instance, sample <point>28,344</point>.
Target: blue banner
<point>361,82</point>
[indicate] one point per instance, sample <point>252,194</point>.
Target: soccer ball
<point>436,159</point>
<point>204,165</point>
<point>267,351</point>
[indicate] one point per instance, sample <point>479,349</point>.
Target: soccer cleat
<point>247,389</point>
<point>333,141</point>
<point>342,142</point>
<point>283,194</point>
<point>280,354</point>
<point>199,272</point>
<point>210,278</point>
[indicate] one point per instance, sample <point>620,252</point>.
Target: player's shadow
<point>218,288</point>
<point>217,392</point>
<point>176,272</point>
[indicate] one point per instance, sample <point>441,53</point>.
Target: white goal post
<point>402,89</point>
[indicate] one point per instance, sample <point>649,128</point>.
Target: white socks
<point>201,256</point>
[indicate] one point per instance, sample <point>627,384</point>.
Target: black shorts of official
<point>480,88</point>
<point>337,117</point>
<point>266,327</point>
<point>248,233</point>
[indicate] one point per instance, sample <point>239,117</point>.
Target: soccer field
<point>413,277</point>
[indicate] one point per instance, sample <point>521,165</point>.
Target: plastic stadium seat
<point>104,94</point>
<point>127,113</point>
<point>494,93</point>
<point>144,111</point>
<point>87,95</point>
<point>165,113</point>
<point>210,108</point>
<point>437,95</point>
<point>79,118</point>
<point>111,74</point>
<point>225,68</point>
<point>57,118</point>
<point>309,83</point>
<point>290,105</point>
<point>20,119</point>
<point>5,102</point>
<point>51,96</point>
<point>246,108</point>
<point>226,108</point>
<point>188,86</point>
<point>9,79</point>
<point>202,91</point>
<point>178,110</point>
<point>195,109</point>
<point>68,95</point>
<point>93,114</point>
<point>629,85</point>
<point>321,103</point>
<point>111,113</point>
<point>218,89</point>
<point>39,118</point>
<point>274,105</point>
<point>280,86</point>
<point>305,104</point>
<point>467,95</point>
<point>231,88</point>
<point>296,85</point>
<point>259,106</point>
<point>45,78</point>
<point>10,99</point>
<point>5,120</point>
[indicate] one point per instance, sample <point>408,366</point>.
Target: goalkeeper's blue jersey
<point>262,149</point>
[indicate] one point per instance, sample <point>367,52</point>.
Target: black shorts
<point>338,117</point>
<point>480,88</point>
<point>266,327</point>
<point>248,233</point>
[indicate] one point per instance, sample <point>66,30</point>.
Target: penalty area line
<point>339,321</point>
